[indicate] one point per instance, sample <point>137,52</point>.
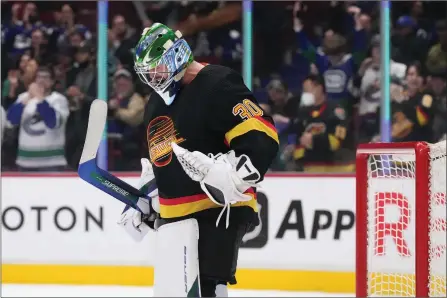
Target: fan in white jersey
<point>41,114</point>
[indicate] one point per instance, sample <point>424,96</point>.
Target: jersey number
<point>247,109</point>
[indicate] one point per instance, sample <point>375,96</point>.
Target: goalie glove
<point>137,224</point>
<point>223,177</point>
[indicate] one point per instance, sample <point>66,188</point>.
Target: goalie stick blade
<point>96,123</point>
<point>89,171</point>
<point>113,186</point>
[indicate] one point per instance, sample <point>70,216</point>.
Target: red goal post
<point>401,219</point>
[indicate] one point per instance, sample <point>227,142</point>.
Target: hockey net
<point>401,220</point>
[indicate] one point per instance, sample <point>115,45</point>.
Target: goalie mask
<point>161,58</point>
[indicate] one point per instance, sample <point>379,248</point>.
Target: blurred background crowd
<point>316,70</point>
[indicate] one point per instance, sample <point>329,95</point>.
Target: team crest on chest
<point>160,134</point>
<point>316,128</point>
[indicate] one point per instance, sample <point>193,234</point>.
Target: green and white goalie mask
<point>161,58</point>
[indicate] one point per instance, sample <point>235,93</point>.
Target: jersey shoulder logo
<point>160,134</point>
<point>427,101</point>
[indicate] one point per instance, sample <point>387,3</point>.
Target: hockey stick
<point>89,171</point>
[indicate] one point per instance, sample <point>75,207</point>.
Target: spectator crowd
<point>316,71</point>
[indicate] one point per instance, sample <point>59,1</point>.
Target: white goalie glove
<point>135,223</point>
<point>223,177</point>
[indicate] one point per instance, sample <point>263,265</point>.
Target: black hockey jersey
<point>327,123</point>
<point>215,113</point>
<point>413,119</point>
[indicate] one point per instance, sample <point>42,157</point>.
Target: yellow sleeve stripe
<point>421,116</point>
<point>299,153</point>
<point>334,142</point>
<point>255,123</point>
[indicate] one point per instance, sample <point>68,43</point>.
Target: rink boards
<point>58,229</point>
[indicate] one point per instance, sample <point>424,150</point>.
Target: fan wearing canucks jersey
<point>337,67</point>
<point>41,114</point>
<point>210,144</point>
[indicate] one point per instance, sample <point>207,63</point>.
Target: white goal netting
<point>392,252</point>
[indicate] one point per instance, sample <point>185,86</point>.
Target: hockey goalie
<point>210,144</point>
